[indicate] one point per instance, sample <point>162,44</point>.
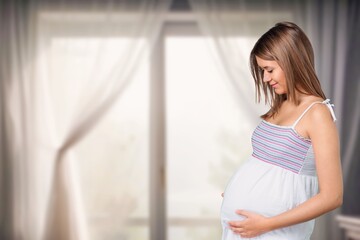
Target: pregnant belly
<point>268,190</point>
<point>255,190</point>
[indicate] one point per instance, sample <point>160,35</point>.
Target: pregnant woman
<point>294,173</point>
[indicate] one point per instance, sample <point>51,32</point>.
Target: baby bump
<point>267,190</point>
<point>254,189</point>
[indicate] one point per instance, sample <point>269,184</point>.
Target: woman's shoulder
<point>318,112</point>
<point>320,121</point>
<point>313,110</point>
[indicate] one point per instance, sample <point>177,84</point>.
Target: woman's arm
<point>325,141</point>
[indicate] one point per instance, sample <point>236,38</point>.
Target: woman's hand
<point>252,226</point>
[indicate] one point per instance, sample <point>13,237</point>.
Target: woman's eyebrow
<point>268,67</point>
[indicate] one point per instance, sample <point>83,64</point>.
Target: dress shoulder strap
<point>326,102</point>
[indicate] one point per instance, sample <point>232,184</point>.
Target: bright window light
<point>206,139</point>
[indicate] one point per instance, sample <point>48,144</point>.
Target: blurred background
<point>124,119</point>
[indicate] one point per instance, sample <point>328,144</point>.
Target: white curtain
<point>326,24</point>
<point>41,197</point>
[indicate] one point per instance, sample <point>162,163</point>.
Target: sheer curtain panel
<point>41,197</point>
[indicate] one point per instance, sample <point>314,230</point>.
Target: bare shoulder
<point>320,121</point>
<point>320,113</point>
<point>318,110</point>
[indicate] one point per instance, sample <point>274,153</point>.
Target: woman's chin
<point>279,91</point>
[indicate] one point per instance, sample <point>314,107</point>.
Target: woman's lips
<point>274,85</point>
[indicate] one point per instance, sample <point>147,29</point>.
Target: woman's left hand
<point>252,226</point>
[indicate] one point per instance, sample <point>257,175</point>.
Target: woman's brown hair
<point>288,45</point>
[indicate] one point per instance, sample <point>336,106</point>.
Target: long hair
<point>288,45</point>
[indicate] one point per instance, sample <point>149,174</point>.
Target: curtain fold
<point>16,90</point>
<point>42,198</point>
<point>351,125</point>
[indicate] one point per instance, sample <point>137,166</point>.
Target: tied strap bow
<point>330,107</point>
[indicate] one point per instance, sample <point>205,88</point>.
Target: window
<point>157,163</point>
<point>203,136</point>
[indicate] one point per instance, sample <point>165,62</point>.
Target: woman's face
<point>273,75</point>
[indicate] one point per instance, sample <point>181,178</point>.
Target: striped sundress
<point>279,175</point>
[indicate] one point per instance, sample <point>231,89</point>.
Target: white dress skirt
<point>268,190</point>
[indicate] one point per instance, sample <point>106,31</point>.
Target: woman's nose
<point>266,77</point>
